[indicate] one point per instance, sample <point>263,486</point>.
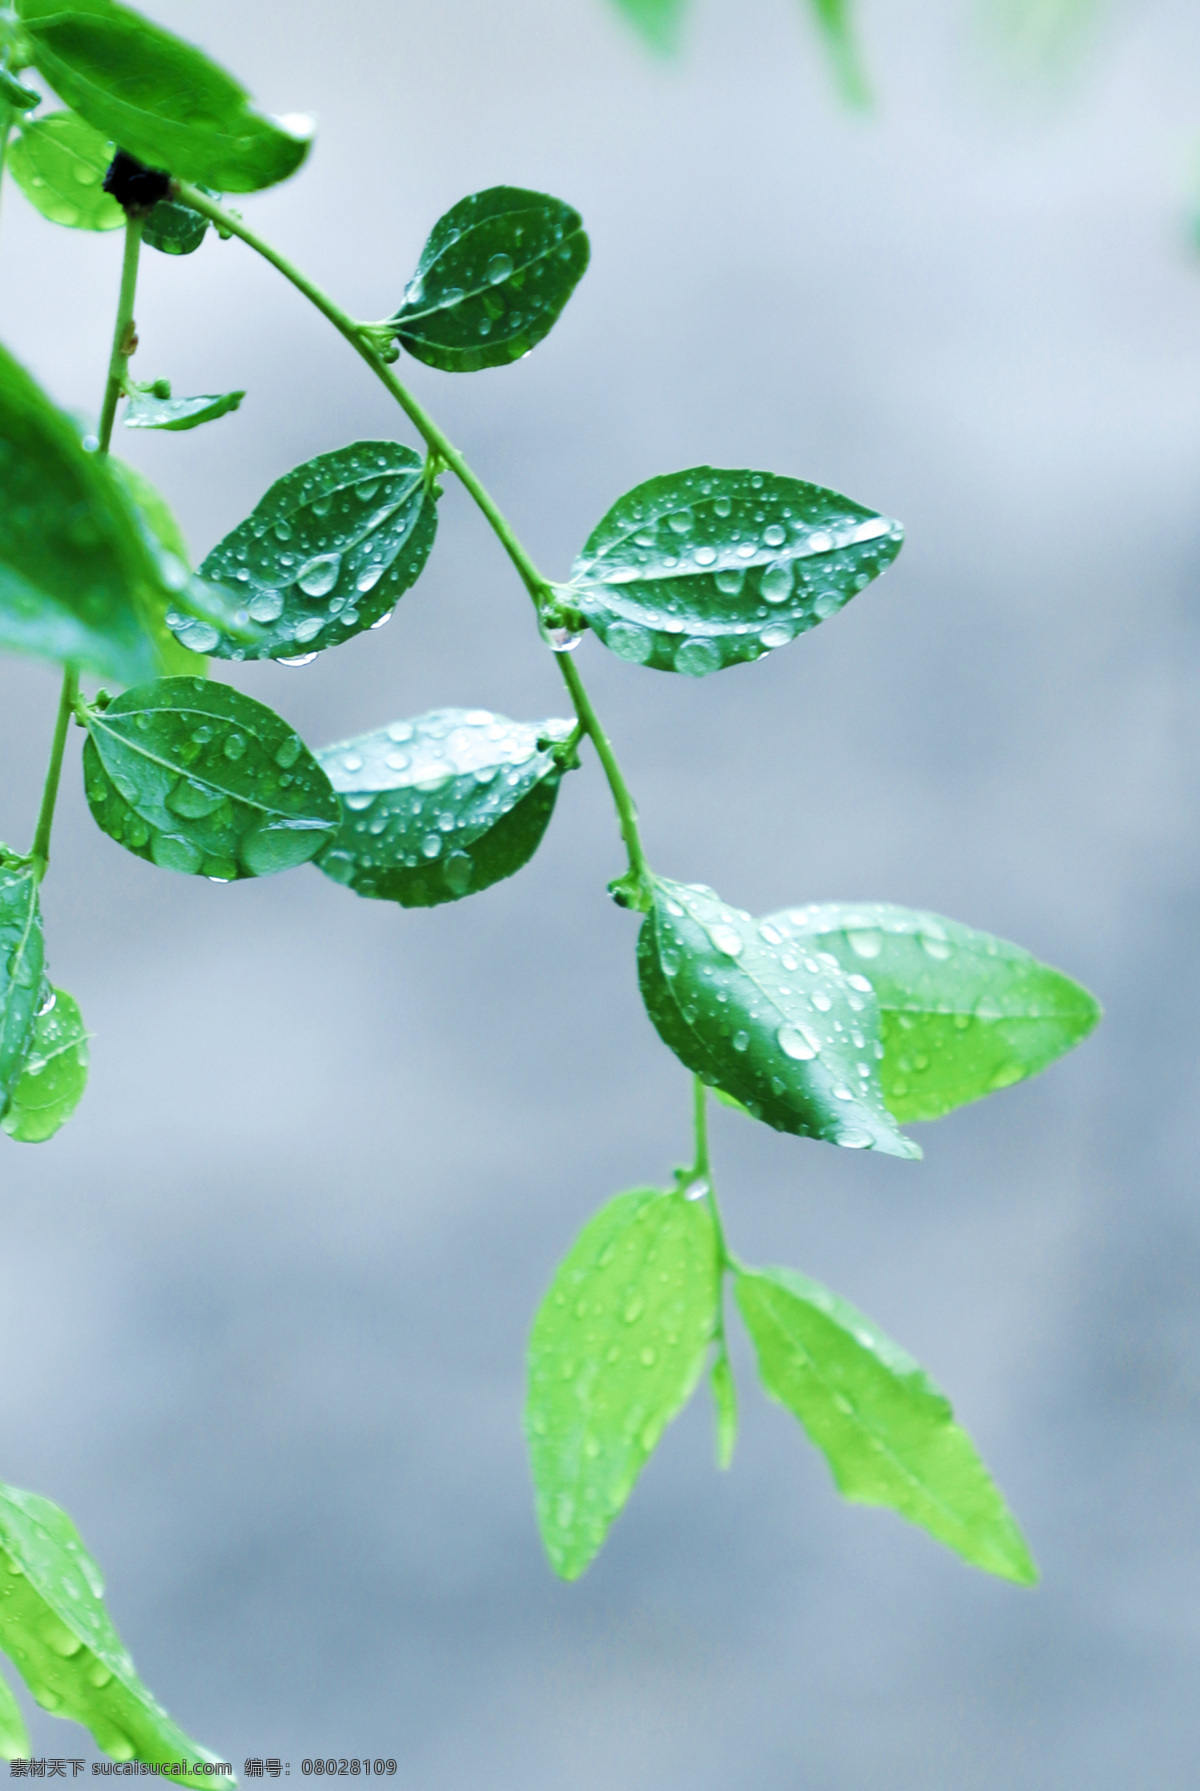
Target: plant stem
<point>540,588</point>
<point>124,336</point>
<point>702,1168</point>
<point>40,850</point>
<point>7,119</point>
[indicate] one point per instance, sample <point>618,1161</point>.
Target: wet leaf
<point>53,1076</point>
<point>703,569</point>
<point>618,1345</point>
<point>145,411</point>
<point>886,1431</point>
<point>55,1629</point>
<point>14,1736</point>
<point>175,229</point>
<point>155,517</point>
<point>492,280</point>
<point>196,777</point>
<point>442,806</point>
<point>22,954</point>
<point>59,163</point>
<point>724,1393</point>
<point>783,1031</point>
<point>13,93</point>
<point>160,98</point>
<point>327,552</point>
<point>963,1014</point>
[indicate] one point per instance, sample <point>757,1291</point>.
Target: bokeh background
<point>265,1301</point>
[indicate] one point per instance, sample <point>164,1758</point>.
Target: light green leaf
<point>75,570</point>
<point>492,280</point>
<point>22,954</point>
<point>55,1629</point>
<point>14,94</point>
<point>442,806</point>
<point>175,229</point>
<point>196,777</point>
<point>783,1031</point>
<point>833,18</point>
<point>145,411</point>
<point>728,1100</point>
<point>658,21</point>
<point>14,1736</point>
<point>724,1392</point>
<point>618,1345</point>
<point>160,98</point>
<point>886,1431</point>
<point>702,569</point>
<point>154,517</point>
<point>54,1074</point>
<point>59,163</point>
<point>963,1014</point>
<point>327,552</point>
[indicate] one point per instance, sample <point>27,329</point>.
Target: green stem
<point>40,850</point>
<point>124,337</point>
<point>639,869</point>
<point>7,120</point>
<point>702,1170</point>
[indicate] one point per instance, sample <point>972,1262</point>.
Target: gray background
<point>265,1301</point>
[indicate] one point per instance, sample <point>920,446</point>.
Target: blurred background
<point>265,1301</point>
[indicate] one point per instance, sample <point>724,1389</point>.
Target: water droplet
<point>193,801</point>
<point>287,754</point>
<point>457,872</point>
<point>696,1190</point>
<point>369,577</point>
<point>199,637</point>
<point>635,1305</point>
<point>648,1356</point>
<point>628,641</point>
<point>234,746</point>
<point>696,657</point>
<point>299,659</point>
<point>265,606</point>
<point>778,634</point>
<point>318,576</point>
<point>776,582</point>
<point>277,846</point>
<point>730,581</point>
<point>774,536</point>
<point>859,982</point>
<point>727,939</point>
<point>499,268</point>
<point>48,1002</point>
<point>799,1042</point>
<point>867,943</point>
<point>740,1041</point>
<point>431,845</point>
<point>935,942</point>
<point>851,1138</point>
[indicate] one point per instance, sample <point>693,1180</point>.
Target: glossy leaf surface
<point>174,229</point>
<point>618,1344</point>
<point>196,777</point>
<point>156,519</point>
<point>784,1031</point>
<point>14,1736</point>
<point>698,570</point>
<point>54,1074</point>
<point>492,280</point>
<point>327,552</point>
<point>962,1013</point>
<point>56,1631</point>
<point>160,98</point>
<point>886,1431</point>
<point>22,953</point>
<point>59,163</point>
<point>74,568</point>
<point>145,411</point>
<point>442,806</point>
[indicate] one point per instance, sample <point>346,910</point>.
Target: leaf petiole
<point>39,852</point>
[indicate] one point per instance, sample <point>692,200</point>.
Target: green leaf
<point>196,777</point>
<point>886,1431</point>
<point>155,517</point>
<point>833,18</point>
<point>492,280</point>
<point>22,954</point>
<point>54,1627</point>
<point>442,806</point>
<point>784,1032</point>
<point>963,1014</point>
<point>658,21</point>
<point>160,98</point>
<point>54,1074</point>
<point>14,94</point>
<point>175,229</point>
<point>59,163</point>
<point>14,1736</point>
<point>618,1345</point>
<point>145,411</point>
<point>327,552</point>
<point>702,569</point>
<point>724,1392</point>
<point>75,570</point>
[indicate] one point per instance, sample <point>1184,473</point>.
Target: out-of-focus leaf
<point>14,1736</point>
<point>13,92</point>
<point>175,229</point>
<point>59,163</point>
<point>834,21</point>
<point>724,1393</point>
<point>659,22</point>
<point>54,1074</point>
<point>155,516</point>
<point>145,411</point>
<point>22,953</point>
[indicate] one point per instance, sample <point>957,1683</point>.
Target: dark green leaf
<point>160,98</point>
<point>59,163</point>
<point>327,552</point>
<point>21,965</point>
<point>196,777</point>
<point>887,1432</point>
<point>14,94</point>
<point>441,806</point>
<point>724,1394</point>
<point>618,1345</point>
<point>492,280</point>
<point>54,1074</point>
<point>702,569</point>
<point>834,21</point>
<point>155,517</point>
<point>963,1014</point>
<point>145,411</point>
<point>658,21</point>
<point>175,229</point>
<point>54,1627</point>
<point>14,1736</point>
<point>784,1032</point>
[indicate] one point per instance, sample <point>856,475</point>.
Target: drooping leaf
<point>145,411</point>
<point>59,1636</point>
<point>14,1736</point>
<point>160,98</point>
<point>54,1074</point>
<point>659,22</point>
<point>59,163</point>
<point>174,228</point>
<point>22,954</point>
<point>442,806</point>
<point>75,571</point>
<point>492,280</point>
<point>327,552</point>
<point>963,1014</point>
<point>783,1031</point>
<point>834,21</point>
<point>618,1345</point>
<point>702,569</point>
<point>155,516</point>
<point>196,777</point>
<point>886,1431</point>
<point>724,1392</point>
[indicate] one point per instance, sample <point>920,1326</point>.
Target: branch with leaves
<point>837,1022</point>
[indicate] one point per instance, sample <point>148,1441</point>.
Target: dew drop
<point>799,1042</point>
<point>318,576</point>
